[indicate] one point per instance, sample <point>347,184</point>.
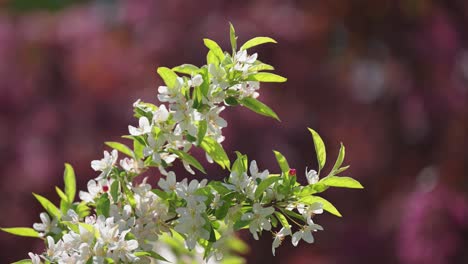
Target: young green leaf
<point>259,107</point>
<point>61,194</point>
<point>189,159</point>
<point>202,128</point>
<point>82,209</point>
<point>240,164</point>
<point>151,254</point>
<point>169,77</point>
<point>215,48</point>
<point>267,182</point>
<point>48,206</point>
<point>257,41</point>
<point>138,148</point>
<point>261,67</point>
<point>339,160</point>
<point>21,231</point>
<point>266,77</point>
<point>115,190</point>
<point>103,205</point>
<point>319,149</point>
<point>121,148</point>
<point>216,152</point>
<point>282,162</point>
<point>70,182</point>
<point>282,219</point>
<point>64,204</point>
<point>343,182</point>
<point>186,69</point>
<point>232,38</point>
<point>327,206</point>
<point>23,261</point>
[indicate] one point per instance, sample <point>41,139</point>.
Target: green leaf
<point>61,194</point>
<point>241,224</point>
<point>103,205</point>
<point>115,190</point>
<point>312,189</point>
<point>261,67</point>
<point>240,164</point>
<point>340,170</point>
<point>257,41</point>
<point>129,195</point>
<point>282,162</point>
<point>138,147</point>
<point>205,86</point>
<point>232,37</point>
<point>216,152</point>
<point>48,206</point>
<point>215,48</point>
<point>186,69</point>
<point>151,254</point>
<point>21,231</point>
<point>222,211</point>
<point>327,206</point>
<point>82,210</point>
<point>64,204</point>
<point>282,219</point>
<point>264,185</point>
<point>121,148</point>
<point>70,182</point>
<point>266,77</point>
<point>259,107</point>
<point>339,160</point>
<point>189,159</point>
<point>343,182</point>
<point>24,261</point>
<point>169,77</point>
<point>202,128</point>
<point>319,149</point>
<point>211,58</point>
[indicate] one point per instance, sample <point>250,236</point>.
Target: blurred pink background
<point>387,78</point>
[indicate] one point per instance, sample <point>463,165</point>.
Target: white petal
<point>253,167</point>
<point>133,131</point>
<point>295,238</point>
<point>307,236</point>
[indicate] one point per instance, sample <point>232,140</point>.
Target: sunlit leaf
<point>319,149</point>
<point>343,182</point>
<point>48,206</point>
<point>258,107</point>
<point>121,148</point>
<point>21,231</point>
<point>257,41</point>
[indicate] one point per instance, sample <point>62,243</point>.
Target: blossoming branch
<point>118,221</point>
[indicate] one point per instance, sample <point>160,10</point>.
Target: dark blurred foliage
<point>387,78</point>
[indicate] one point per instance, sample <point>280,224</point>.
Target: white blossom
<point>144,127</point>
<point>259,219</point>
<point>35,259</point>
<point>305,233</point>
<point>279,237</point>
<point>169,184</point>
<point>195,81</point>
<point>106,164</point>
<point>310,211</point>
<point>47,225</point>
<point>131,165</point>
<point>312,176</point>
<point>160,115</point>
<point>255,174</point>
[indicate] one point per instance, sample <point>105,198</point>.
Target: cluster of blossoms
<point>119,221</point>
